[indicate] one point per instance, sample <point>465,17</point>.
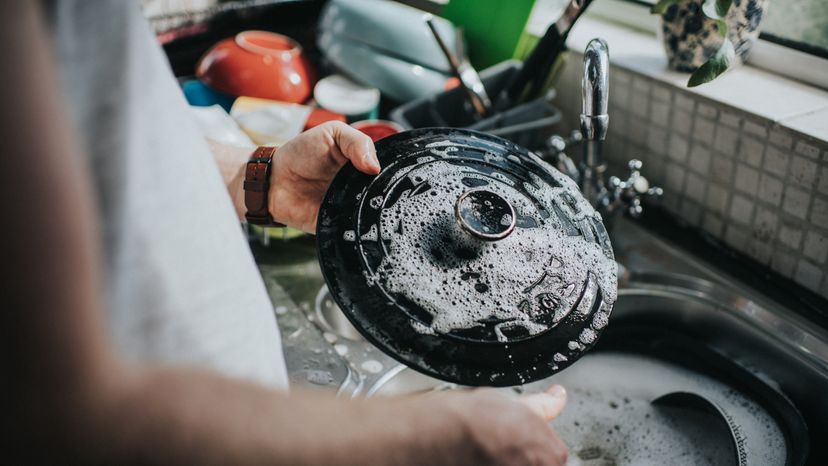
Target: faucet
<point>594,118</point>
<point>610,196</point>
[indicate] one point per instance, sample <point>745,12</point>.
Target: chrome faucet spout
<point>609,196</point>
<point>595,91</point>
<point>594,118</point>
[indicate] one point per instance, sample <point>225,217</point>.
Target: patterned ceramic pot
<point>691,38</point>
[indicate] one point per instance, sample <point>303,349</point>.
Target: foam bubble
<point>535,273</point>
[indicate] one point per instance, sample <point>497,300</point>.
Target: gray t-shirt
<point>182,285</point>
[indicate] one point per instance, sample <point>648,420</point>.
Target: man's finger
<point>549,404</point>
<point>356,146</point>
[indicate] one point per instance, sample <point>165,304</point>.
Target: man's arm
<point>66,397</point>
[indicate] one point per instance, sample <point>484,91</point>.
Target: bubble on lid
<point>443,148</point>
<point>371,235</point>
<point>421,328</point>
<point>520,281</point>
<point>375,202</point>
<point>349,235</point>
<point>587,336</point>
<point>600,320</point>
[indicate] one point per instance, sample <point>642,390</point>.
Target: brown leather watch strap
<point>257,186</point>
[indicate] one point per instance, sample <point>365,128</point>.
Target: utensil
<point>258,64</point>
<point>528,83</point>
<point>462,69</point>
<point>467,258</point>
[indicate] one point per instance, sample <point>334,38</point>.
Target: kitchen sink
<point>672,307</point>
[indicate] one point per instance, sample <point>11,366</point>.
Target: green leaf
<point>662,5</point>
<point>717,65</point>
<point>717,11</point>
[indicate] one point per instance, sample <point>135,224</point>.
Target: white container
<point>341,95</point>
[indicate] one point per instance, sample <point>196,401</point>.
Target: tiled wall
<point>759,188</point>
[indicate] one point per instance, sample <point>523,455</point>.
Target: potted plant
<point>706,37</point>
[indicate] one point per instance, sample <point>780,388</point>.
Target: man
<point>135,326</point>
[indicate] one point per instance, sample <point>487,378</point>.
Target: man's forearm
<point>189,416</point>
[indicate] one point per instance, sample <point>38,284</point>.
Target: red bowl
<point>378,129</point>
<point>320,115</point>
<point>258,64</point>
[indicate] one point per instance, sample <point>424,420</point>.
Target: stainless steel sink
<point>332,319</point>
<point>661,287</point>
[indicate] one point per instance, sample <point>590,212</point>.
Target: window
<point>793,43</point>
<point>802,25</point>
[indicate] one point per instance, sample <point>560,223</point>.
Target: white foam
<point>609,418</point>
<point>541,269</point>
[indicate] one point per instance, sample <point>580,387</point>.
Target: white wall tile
<point>722,169</point>
<point>706,111</point>
<point>806,149</point>
<point>725,141</point>
<point>678,147</point>
<point>764,224</point>
<point>681,121</point>
<point>741,209</point>
<point>816,247</point>
<point>700,159</point>
<point>822,183</point>
<point>703,130</point>
<point>796,202</point>
<point>770,189</point>
<point>780,137</point>
<point>729,119</point>
<point>747,179</point>
<point>819,212</point>
<point>790,236</point>
<point>776,161</point>
<point>755,129</point>
<point>751,151</point>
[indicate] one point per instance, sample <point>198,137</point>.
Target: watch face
<point>467,258</point>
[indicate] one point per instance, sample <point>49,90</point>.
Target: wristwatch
<point>257,186</point>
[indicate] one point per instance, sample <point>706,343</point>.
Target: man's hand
<point>513,431</point>
<point>305,166</point>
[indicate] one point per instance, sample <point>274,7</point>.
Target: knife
<point>536,67</point>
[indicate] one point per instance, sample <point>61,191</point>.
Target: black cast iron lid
<point>467,258</point>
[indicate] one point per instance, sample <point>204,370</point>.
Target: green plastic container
<point>493,28</point>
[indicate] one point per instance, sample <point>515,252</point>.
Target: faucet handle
<point>631,190</point>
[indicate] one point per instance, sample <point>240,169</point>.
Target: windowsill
<point>788,103</point>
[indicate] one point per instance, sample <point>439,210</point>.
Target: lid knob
<point>484,214</point>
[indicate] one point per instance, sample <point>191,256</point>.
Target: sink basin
<point>782,357</point>
<point>330,316</point>
<point>665,293</point>
<point>402,380</point>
